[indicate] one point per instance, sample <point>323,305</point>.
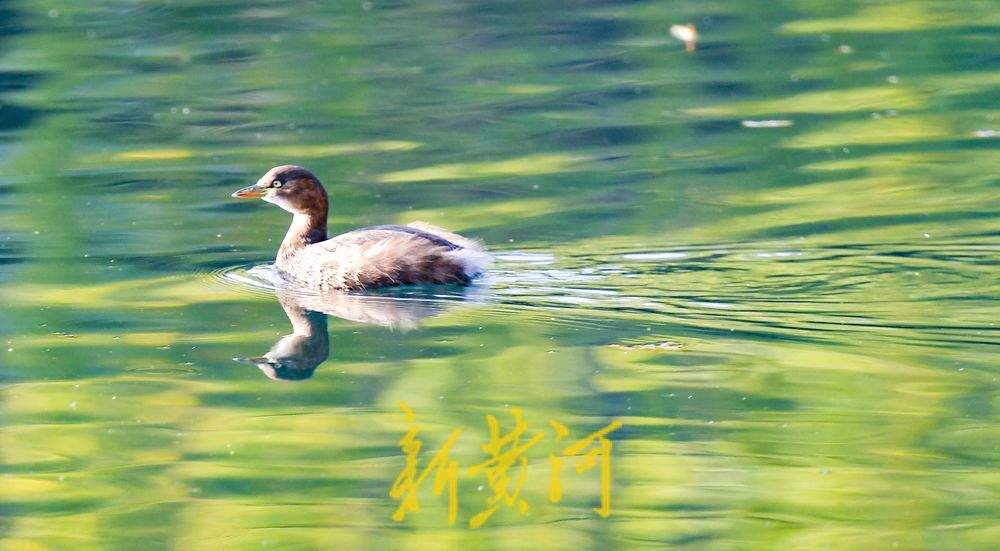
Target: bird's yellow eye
<point>276,183</point>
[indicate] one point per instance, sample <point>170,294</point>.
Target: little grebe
<point>364,258</point>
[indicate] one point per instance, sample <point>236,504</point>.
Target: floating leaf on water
<point>687,34</point>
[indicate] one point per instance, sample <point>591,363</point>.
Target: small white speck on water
<point>10,350</point>
<point>479,488</point>
<point>114,397</point>
<point>927,235</point>
<point>72,405</point>
<point>767,123</point>
<point>53,13</point>
<point>892,79</point>
<point>186,110</point>
<point>845,49</point>
<point>218,235</point>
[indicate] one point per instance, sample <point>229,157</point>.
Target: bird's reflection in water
<point>296,355</point>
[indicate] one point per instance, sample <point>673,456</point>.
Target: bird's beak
<point>249,192</point>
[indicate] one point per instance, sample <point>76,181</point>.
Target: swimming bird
<point>375,256</point>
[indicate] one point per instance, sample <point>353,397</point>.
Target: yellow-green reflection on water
<point>773,259</point>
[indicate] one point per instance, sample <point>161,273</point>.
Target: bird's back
<point>387,255</point>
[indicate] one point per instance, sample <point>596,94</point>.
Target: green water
<point>794,321</point>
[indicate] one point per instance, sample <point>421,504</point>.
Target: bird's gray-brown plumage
<point>364,258</point>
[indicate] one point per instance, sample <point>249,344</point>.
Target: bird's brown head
<point>292,188</point>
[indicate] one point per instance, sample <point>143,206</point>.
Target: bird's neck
<point>306,229</point>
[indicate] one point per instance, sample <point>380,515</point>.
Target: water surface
<point>773,259</point>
